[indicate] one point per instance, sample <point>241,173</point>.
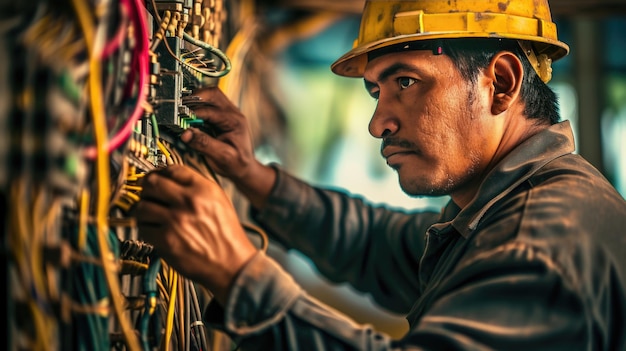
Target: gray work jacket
<point>532,263</point>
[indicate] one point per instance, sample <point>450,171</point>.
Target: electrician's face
<point>435,126</point>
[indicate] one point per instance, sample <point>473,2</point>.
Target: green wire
<point>217,52</point>
<point>69,87</point>
<point>155,125</point>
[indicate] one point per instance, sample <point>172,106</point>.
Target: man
<point>524,256</point>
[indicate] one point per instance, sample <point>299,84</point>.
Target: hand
<point>193,226</point>
<point>231,151</point>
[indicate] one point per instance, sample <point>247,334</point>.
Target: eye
<point>405,82</point>
<point>372,89</point>
<point>374,93</point>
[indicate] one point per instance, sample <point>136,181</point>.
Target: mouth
<point>396,150</point>
<point>395,155</point>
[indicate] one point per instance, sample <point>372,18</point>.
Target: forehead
<point>417,60</point>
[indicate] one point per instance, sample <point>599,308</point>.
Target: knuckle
<point>150,181</point>
<point>200,140</point>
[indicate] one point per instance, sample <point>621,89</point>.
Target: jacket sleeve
<point>374,248</point>
<point>520,304</point>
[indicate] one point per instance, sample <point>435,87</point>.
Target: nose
<point>383,123</point>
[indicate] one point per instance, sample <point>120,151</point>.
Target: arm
<point>502,301</point>
<point>375,249</point>
<point>506,298</point>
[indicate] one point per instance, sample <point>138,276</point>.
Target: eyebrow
<point>389,71</point>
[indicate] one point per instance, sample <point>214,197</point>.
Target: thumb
<point>187,135</point>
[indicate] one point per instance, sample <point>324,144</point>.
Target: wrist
<point>257,184</point>
<point>222,282</point>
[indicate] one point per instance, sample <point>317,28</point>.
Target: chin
<point>423,186</point>
<point>413,188</point>
<point>422,192</point>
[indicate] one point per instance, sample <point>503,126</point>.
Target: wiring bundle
<point>91,94</point>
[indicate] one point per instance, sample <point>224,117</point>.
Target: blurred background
<point>92,96</point>
<point>323,122</point>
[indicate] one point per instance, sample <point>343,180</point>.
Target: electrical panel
<point>92,97</point>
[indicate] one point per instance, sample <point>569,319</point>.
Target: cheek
<point>477,136</point>
<point>443,122</point>
<point>441,119</point>
<point>427,118</point>
<point>458,129</point>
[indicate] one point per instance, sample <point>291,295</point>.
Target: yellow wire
<point>174,153</point>
<point>132,196</point>
<point>169,324</point>
<point>34,243</point>
<point>44,336</point>
<point>124,206</point>
<point>20,246</point>
<point>163,149</point>
<point>102,167</point>
<point>37,242</point>
<point>132,187</point>
<point>133,176</point>
<point>15,239</point>
<point>181,311</point>
<point>17,233</point>
<point>44,215</point>
<point>52,221</point>
<point>162,290</point>
<point>123,201</point>
<point>83,219</point>
<point>41,325</point>
<point>236,50</point>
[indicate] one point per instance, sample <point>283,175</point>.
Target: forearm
<point>267,310</point>
<point>533,310</point>
<point>372,248</point>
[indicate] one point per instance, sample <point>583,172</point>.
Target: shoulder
<point>569,195</point>
<point>566,217</point>
<point>565,196</point>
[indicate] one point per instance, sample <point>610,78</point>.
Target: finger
<point>218,119</point>
<point>179,173</point>
<point>150,214</point>
<point>164,187</point>
<point>213,106</point>
<point>209,94</point>
<point>203,143</point>
<point>207,97</point>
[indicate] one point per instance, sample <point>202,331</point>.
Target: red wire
<point>141,53</point>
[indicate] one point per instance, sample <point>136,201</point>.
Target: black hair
<point>474,54</point>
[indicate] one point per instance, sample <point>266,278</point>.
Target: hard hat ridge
<point>389,22</point>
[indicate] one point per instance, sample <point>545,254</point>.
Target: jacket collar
<point>517,167</point>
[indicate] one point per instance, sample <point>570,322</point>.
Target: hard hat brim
<point>352,63</point>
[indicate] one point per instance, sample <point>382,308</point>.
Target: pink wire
<point>115,42</point>
<point>142,55</point>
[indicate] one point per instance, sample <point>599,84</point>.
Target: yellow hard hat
<point>389,22</point>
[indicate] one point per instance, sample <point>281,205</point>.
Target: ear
<point>506,72</point>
